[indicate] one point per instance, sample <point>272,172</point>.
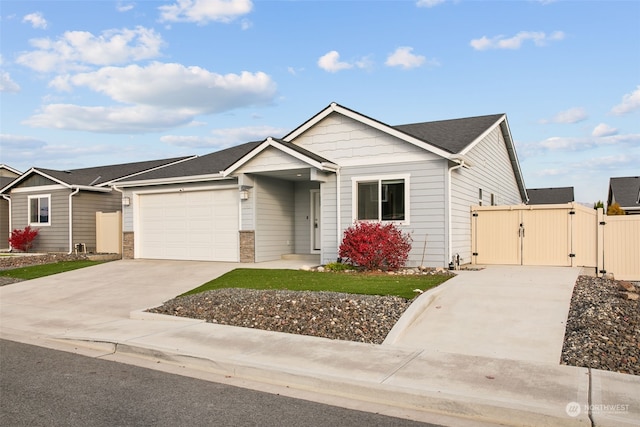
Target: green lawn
<point>298,280</point>
<point>35,271</point>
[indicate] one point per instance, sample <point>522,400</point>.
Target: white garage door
<point>189,225</point>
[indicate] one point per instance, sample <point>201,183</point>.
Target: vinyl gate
<point>555,235</point>
<point>109,232</point>
<point>568,235</point>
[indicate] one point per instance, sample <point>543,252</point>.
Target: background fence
<point>109,232</point>
<point>569,235</point>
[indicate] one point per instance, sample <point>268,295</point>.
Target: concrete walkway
<point>420,374</point>
<point>506,312</point>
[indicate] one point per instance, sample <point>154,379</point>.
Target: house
<point>626,192</point>
<point>550,196</point>
<point>297,194</point>
<point>7,175</point>
<point>63,204</point>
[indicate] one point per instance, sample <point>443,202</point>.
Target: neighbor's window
<point>381,199</point>
<point>40,210</point>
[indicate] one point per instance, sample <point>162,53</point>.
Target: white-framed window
<point>39,209</point>
<point>381,198</point>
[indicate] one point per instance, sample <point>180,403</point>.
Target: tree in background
<point>598,205</point>
<point>615,209</point>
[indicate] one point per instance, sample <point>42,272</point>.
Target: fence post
<point>600,268</point>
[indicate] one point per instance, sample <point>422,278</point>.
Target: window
<point>493,199</point>
<point>379,199</point>
<point>39,210</point>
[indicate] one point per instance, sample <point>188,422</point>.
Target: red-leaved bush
<point>375,246</point>
<point>23,239</point>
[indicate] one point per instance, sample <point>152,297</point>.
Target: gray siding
<point>274,218</point>
<point>85,206</point>
<point>490,171</point>
<point>348,142</point>
<point>53,238</point>
<point>426,205</point>
<point>4,224</point>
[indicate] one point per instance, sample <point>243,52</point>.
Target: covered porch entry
<point>282,208</point>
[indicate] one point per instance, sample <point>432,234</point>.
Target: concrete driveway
<point>56,304</point>
<point>507,312</point>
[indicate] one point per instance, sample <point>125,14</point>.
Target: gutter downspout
<point>8,199</point>
<point>73,193</point>
<point>449,216</point>
<point>338,232</point>
<point>114,187</point>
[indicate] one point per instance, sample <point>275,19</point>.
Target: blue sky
<point>88,83</point>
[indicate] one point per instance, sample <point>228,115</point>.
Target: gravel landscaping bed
<point>602,332</point>
<point>603,326</point>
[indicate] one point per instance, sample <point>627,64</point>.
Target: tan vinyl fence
<point>619,237</point>
<point>109,232</point>
<point>569,235</point>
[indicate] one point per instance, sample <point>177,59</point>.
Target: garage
<point>188,225</point>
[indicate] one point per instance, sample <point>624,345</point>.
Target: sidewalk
<point>103,318</point>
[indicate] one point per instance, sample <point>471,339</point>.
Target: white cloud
<point>156,97</point>
<point>604,129</point>
<point>572,115</point>
<point>7,84</point>
<point>36,20</point>
<point>331,62</point>
<point>557,143</point>
<point>225,137</point>
<point>20,142</point>
<point>403,57</point>
<point>429,3</point>
<point>204,11</point>
<point>76,50</point>
<point>515,42</point>
<point>630,102</point>
<point>174,86</point>
<point>136,119</point>
<point>124,7</point>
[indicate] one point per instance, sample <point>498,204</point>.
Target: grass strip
<point>35,271</point>
<point>297,280</point>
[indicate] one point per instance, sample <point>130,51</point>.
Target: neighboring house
<point>296,195</point>
<point>626,192</point>
<point>63,204</point>
<point>550,196</point>
<point>7,175</point>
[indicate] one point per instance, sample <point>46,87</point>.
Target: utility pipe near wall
<point>73,193</point>
<point>461,164</point>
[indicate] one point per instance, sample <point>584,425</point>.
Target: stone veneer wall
<point>127,245</point>
<point>247,246</point>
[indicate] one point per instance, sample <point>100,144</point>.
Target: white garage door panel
<point>198,225</point>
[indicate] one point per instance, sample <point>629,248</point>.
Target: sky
<point>90,83</point>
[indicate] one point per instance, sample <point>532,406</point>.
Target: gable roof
<point>453,135</point>
<point>7,175</point>
<point>550,196</point>
<point>99,176</point>
<point>206,167</point>
<point>625,191</point>
<point>450,139</point>
<point>302,154</point>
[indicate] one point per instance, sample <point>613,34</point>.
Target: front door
<point>315,221</point>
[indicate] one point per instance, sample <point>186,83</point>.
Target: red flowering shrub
<point>375,246</point>
<point>23,239</point>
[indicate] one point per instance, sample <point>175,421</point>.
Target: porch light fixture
<point>126,201</point>
<point>244,195</point>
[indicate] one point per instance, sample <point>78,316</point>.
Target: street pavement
<point>482,349</point>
